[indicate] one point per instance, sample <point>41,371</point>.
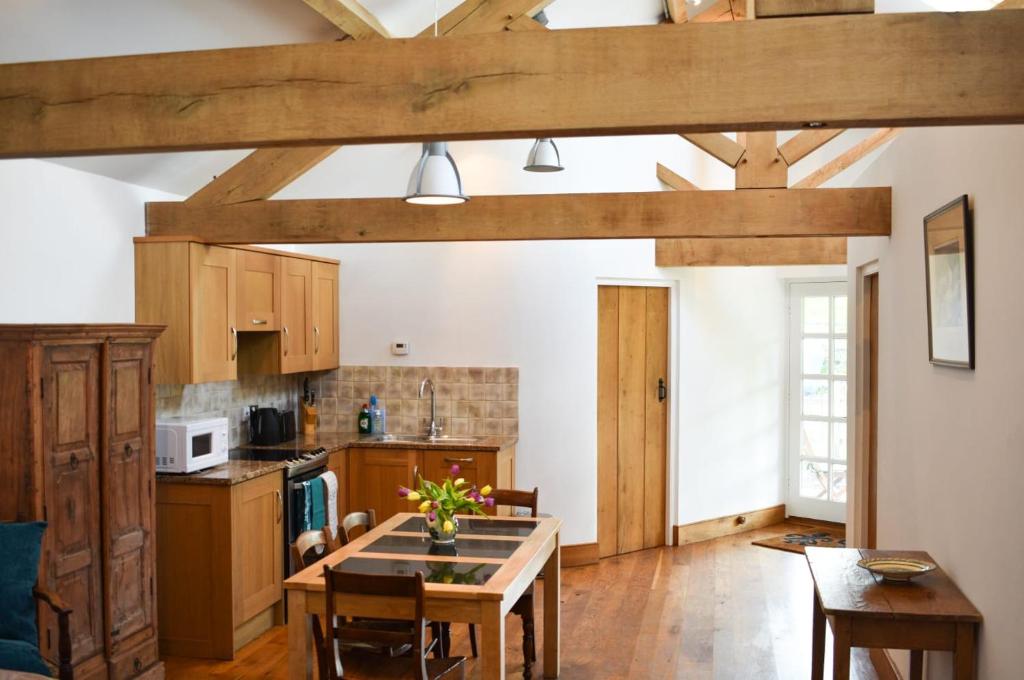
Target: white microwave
<point>190,444</point>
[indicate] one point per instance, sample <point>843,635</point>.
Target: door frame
<point>671,429</point>
<point>858,437</point>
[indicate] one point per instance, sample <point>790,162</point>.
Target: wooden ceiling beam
<point>771,9</point>
<point>847,158</point>
<point>675,181</point>
<point>351,17</point>
<point>525,84</point>
<point>745,252</point>
<point>484,16</point>
<point>722,10</point>
<point>659,214</point>
<point>718,145</point>
<point>804,143</point>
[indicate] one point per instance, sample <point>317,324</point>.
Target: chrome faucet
<point>433,430</point>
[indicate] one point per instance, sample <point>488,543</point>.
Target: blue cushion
<point>16,655</point>
<point>19,569</point>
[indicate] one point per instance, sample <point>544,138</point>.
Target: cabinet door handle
<point>279,504</point>
<point>458,460</point>
<point>128,451</point>
<point>316,340</point>
<point>415,474</point>
<point>73,462</point>
<point>234,351</point>
<point>259,322</point>
<point>286,339</point>
<point>662,390</point>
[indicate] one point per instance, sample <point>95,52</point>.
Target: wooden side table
<point>928,613</point>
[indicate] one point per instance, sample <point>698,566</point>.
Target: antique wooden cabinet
<point>76,445</point>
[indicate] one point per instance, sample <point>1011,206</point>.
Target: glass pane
<point>838,441</point>
<point>813,439</point>
<point>813,480</point>
<point>839,314</point>
<point>815,397</point>
<point>815,356</point>
<point>839,399</point>
<point>838,357</point>
<point>838,493</point>
<point>815,315</point>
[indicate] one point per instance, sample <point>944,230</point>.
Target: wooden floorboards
<point>714,610</point>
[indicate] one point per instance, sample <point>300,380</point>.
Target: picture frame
<point>949,284</point>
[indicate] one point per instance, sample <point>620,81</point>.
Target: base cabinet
<point>374,474</point>
<point>77,450</point>
<point>220,562</point>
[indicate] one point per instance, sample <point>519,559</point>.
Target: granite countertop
<point>237,471</point>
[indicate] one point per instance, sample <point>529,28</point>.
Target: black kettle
<point>265,426</point>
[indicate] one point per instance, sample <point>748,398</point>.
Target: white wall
<point>66,244</point>
<point>951,441</point>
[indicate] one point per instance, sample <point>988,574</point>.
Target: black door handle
<point>662,390</point>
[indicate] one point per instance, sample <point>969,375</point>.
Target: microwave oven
<point>190,444</point>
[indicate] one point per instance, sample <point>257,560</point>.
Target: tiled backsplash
<point>230,399</point>
<point>475,401</point>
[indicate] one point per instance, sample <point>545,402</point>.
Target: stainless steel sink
<point>422,438</point>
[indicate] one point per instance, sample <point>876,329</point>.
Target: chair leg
<point>446,639</point>
<point>529,646</point>
<point>472,639</point>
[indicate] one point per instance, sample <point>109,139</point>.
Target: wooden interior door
<point>872,466</point>
<point>296,315</point>
<point>214,283</point>
<point>127,483</point>
<point>71,446</point>
<point>258,533</point>
<point>632,358</point>
<point>259,291</point>
<point>374,476</point>
<point>326,351</point>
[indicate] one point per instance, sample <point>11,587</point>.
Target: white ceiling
<point>59,29</point>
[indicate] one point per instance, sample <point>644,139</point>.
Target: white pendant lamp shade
<point>543,157</point>
<point>435,179</point>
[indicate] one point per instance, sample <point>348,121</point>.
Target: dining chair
<point>523,607</point>
<point>413,635</point>
<point>366,519</point>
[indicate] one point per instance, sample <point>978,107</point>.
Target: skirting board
<point>726,526</point>
<point>579,554</point>
<point>884,666</point>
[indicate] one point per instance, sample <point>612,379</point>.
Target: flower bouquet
<point>439,504</point>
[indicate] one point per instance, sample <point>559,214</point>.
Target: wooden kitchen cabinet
<point>326,347</point>
<point>297,315</point>
<point>259,291</point>
<point>76,445</point>
<point>220,564</point>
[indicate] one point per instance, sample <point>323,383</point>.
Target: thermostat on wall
<point>400,348</point>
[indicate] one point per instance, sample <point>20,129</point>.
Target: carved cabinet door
<point>71,473</point>
<point>127,480</point>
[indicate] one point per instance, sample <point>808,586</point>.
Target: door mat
<point>818,537</point>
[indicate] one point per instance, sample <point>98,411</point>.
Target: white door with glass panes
<point>817,401</point>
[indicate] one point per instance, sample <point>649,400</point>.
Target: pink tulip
<point>455,470</point>
<point>489,502</point>
<point>435,504</point>
<point>431,515</point>
<point>403,492</point>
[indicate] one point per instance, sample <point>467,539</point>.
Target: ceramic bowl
<point>896,569</point>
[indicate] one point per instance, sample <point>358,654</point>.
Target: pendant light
<point>544,157</point>
<point>435,179</point>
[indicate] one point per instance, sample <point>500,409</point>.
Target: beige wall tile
<point>475,375</point>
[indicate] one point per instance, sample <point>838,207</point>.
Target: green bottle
<point>365,423</point>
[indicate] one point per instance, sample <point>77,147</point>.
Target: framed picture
<point>949,277</point>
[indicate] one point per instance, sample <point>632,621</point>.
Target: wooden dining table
<point>478,580</point>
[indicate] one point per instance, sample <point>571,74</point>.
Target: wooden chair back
<point>516,499</point>
<point>366,519</point>
<point>409,588</point>
<point>303,552</point>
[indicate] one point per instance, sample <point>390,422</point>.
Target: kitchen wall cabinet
<point>374,474</point>
<point>220,564</point>
<point>76,446</point>
<point>259,291</point>
<point>233,310</point>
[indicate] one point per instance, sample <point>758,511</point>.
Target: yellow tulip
<point>448,526</point>
<point>460,481</point>
<point>413,496</point>
<point>424,506</point>
<point>486,491</point>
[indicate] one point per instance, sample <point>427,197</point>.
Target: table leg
<point>817,640</point>
<point>300,666</point>
<point>552,612</point>
<point>964,661</point>
<point>916,664</point>
<point>841,649</point>
<point>492,646</point>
